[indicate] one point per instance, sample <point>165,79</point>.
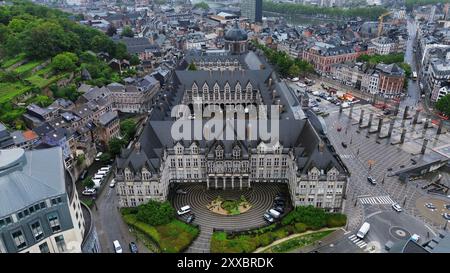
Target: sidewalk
<point>262,249</point>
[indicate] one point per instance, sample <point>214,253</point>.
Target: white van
<point>363,230</point>
<point>274,213</point>
<point>184,210</point>
<point>117,247</point>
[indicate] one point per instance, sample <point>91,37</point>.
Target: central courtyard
<point>260,196</point>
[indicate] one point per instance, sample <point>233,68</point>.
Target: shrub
<point>336,220</point>
<point>300,227</point>
<point>265,239</point>
<point>155,213</point>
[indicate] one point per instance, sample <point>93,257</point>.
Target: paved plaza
<point>260,196</point>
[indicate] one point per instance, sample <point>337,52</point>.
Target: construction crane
<point>381,20</point>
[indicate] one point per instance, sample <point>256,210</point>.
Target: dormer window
<point>238,87</point>
<point>227,87</point>
<point>219,152</point>
<point>195,150</point>
<point>249,87</point>
<point>194,88</point>
<point>205,88</point>
<point>179,149</point>
<point>236,153</point>
<point>216,88</point>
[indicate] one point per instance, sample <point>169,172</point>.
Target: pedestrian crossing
<point>375,200</point>
<point>358,242</point>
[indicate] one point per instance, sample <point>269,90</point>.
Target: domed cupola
<point>236,39</point>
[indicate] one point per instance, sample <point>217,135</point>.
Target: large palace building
<point>300,156</point>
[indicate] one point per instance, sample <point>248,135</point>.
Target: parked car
<point>318,100</point>
<point>133,247</point>
<point>97,157</point>
<point>88,191</point>
<point>181,191</point>
<point>184,210</point>
<point>275,214</point>
<point>280,198</point>
<point>397,207</point>
<point>446,216</point>
<point>113,183</point>
<point>117,247</point>
<point>430,206</point>
<point>190,218</point>
<point>447,206</point>
<point>105,168</point>
<point>371,180</point>
<point>280,209</point>
<point>268,218</point>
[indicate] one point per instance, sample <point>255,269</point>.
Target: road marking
<point>382,200</point>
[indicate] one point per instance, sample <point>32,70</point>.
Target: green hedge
<point>173,237</point>
<point>299,220</point>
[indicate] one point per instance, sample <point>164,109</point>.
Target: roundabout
<point>259,197</point>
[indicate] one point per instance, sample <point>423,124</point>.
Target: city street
<point>109,223</point>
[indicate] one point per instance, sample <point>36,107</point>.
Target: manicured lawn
<point>298,242</point>
<point>8,91</point>
<point>9,62</point>
<point>173,237</point>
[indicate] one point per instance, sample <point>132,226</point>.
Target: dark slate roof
<point>236,33</point>
<point>29,177</point>
<point>297,129</point>
<point>107,117</point>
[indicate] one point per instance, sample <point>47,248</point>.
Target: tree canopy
<point>202,5</point>
<point>156,213</point>
<point>127,32</point>
<point>299,9</point>
<point>443,105</point>
<point>286,65</point>
<point>41,32</point>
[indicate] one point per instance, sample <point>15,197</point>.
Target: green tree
<point>88,183</point>
<point>42,100</point>
<point>65,61</point>
<point>128,128</point>
<point>134,60</point>
<point>202,5</point>
<point>127,32</point>
<point>81,159</point>
<point>156,213</point>
<point>294,70</point>
<point>443,105</point>
<point>111,31</point>
<point>105,157</point>
<point>115,145</point>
